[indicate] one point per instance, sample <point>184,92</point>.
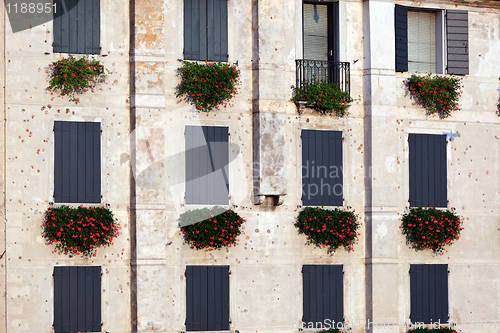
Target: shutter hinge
<point>229,272</point>
<point>449,271</point>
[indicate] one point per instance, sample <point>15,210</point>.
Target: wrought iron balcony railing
<point>329,71</point>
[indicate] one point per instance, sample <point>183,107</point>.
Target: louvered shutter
<point>457,34</point>
<point>322,174</point>
<point>207,298</point>
<point>77,299</point>
<point>315,28</point>
<point>217,30</point>
<point>207,169</point>
<point>195,30</point>
<point>427,170</point>
<point>323,293</point>
<point>429,293</point>
<point>77,162</point>
<point>77,26</point>
<point>401,36</point>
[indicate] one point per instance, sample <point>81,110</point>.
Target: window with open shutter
<point>429,293</point>
<point>77,299</point>
<point>207,169</point>
<point>427,170</point>
<point>205,30</point>
<point>323,295</point>
<point>77,162</point>
<point>322,174</point>
<point>419,40</point>
<point>77,26</point>
<point>207,298</point>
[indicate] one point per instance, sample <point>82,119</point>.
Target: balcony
<point>329,71</point>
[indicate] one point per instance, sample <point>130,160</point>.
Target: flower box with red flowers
<point>79,230</point>
<point>438,94</point>
<point>71,76</point>
<point>208,85</point>
<point>430,228</point>
<point>211,228</point>
<point>324,97</point>
<point>329,228</point>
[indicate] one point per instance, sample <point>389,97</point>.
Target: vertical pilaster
<point>381,141</point>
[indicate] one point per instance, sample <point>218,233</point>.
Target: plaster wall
<point>30,112</point>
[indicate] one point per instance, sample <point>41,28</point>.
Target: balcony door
<point>320,41</point>
<point>320,30</point>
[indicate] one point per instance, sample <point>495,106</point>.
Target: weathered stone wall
<point>29,161</point>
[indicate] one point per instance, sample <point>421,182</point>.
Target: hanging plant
<point>79,230</point>
<point>71,76</point>
<point>208,85</point>
<point>430,228</point>
<point>329,228</point>
<point>211,228</point>
<point>325,97</point>
<point>438,94</point>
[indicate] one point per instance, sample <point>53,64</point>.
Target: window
<point>207,298</point>
<point>77,26</point>
<point>429,293</point>
<point>426,40</point>
<point>207,170</point>
<point>77,162</point>
<point>427,163</point>
<point>322,174</point>
<point>77,299</point>
<point>205,30</point>
<point>323,295</point>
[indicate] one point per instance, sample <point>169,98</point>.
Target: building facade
<point>149,276</point>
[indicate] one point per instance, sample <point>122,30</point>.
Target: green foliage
<point>220,230</point>
<point>79,230</point>
<point>208,85</point>
<point>438,94</point>
<point>433,330</point>
<point>329,228</point>
<point>431,228</point>
<point>325,97</point>
<point>72,76</point>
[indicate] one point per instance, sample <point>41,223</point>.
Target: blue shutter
<point>207,298</point>
<point>217,30</point>
<point>322,174</point>
<point>77,162</point>
<point>77,26</point>
<point>427,170</point>
<point>457,35</point>
<point>401,34</point>
<point>323,293</point>
<point>207,170</point>
<point>429,293</point>
<point>195,29</point>
<point>77,299</point>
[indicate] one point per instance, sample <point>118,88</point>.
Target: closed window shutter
<point>421,42</point>
<point>322,174</point>
<point>195,29</point>
<point>323,293</point>
<point>401,34</point>
<point>207,169</point>
<point>77,299</point>
<point>427,170</point>
<point>207,298</point>
<point>78,29</point>
<point>457,33</point>
<point>217,30</point>
<point>77,162</point>
<point>429,293</point>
